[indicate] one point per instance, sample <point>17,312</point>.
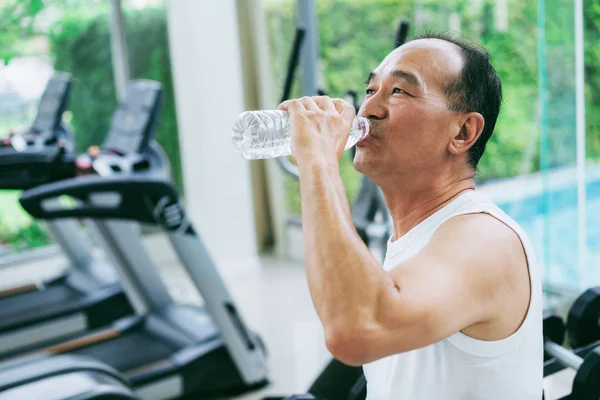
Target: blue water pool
<point>550,220</point>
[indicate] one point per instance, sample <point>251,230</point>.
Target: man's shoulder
<point>481,237</point>
<point>488,254</point>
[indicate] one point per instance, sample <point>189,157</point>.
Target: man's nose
<point>373,108</point>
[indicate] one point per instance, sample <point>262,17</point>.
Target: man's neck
<point>411,202</point>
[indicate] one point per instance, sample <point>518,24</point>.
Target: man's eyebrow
<point>369,77</point>
<point>410,78</point>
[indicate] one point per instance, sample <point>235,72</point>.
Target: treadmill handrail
<point>137,195</point>
<point>39,162</point>
<point>25,159</point>
<point>50,155</point>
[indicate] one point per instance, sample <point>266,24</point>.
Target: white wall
<point>206,65</point>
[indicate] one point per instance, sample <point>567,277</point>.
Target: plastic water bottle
<point>266,134</point>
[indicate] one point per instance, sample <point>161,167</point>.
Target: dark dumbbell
<point>586,385</point>
<point>583,323</point>
<point>554,330</point>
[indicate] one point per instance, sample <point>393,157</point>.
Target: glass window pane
<point>529,167</point>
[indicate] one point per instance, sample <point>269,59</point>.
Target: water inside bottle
<point>266,134</point>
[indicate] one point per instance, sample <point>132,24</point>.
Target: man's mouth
<point>364,141</point>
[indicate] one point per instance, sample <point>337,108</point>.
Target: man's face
<point>411,125</point>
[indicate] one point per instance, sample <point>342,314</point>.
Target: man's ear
<point>470,128</point>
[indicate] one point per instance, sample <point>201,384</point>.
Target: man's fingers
<point>302,104</point>
<point>310,104</point>
<point>319,104</point>
<point>285,105</point>
<point>345,109</point>
<point>325,103</point>
<point>293,106</point>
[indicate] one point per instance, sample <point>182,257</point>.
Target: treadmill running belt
<point>22,306</point>
<point>132,350</point>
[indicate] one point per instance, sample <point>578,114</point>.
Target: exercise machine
<point>64,377</point>
<point>86,295</point>
<point>165,350</point>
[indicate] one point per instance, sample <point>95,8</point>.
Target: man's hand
<point>320,128</point>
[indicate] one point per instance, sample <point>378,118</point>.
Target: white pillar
<point>207,79</point>
<point>259,95</point>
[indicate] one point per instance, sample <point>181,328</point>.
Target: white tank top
<point>460,367</point>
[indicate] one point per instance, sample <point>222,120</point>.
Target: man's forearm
<point>344,278</point>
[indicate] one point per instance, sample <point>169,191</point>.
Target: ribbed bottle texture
<point>266,134</point>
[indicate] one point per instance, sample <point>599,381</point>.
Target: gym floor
<point>275,302</point>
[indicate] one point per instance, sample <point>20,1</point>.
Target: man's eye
<point>397,90</point>
<point>369,91</point>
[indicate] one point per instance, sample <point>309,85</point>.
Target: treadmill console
<point>47,128</point>
<point>53,103</point>
<point>42,153</point>
<point>128,177</point>
<point>134,122</point>
<point>131,131</point>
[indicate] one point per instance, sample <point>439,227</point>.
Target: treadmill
<point>166,350</point>
<point>84,296</point>
<point>64,377</point>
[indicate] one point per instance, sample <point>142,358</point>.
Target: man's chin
<point>361,163</point>
<point>367,160</point>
